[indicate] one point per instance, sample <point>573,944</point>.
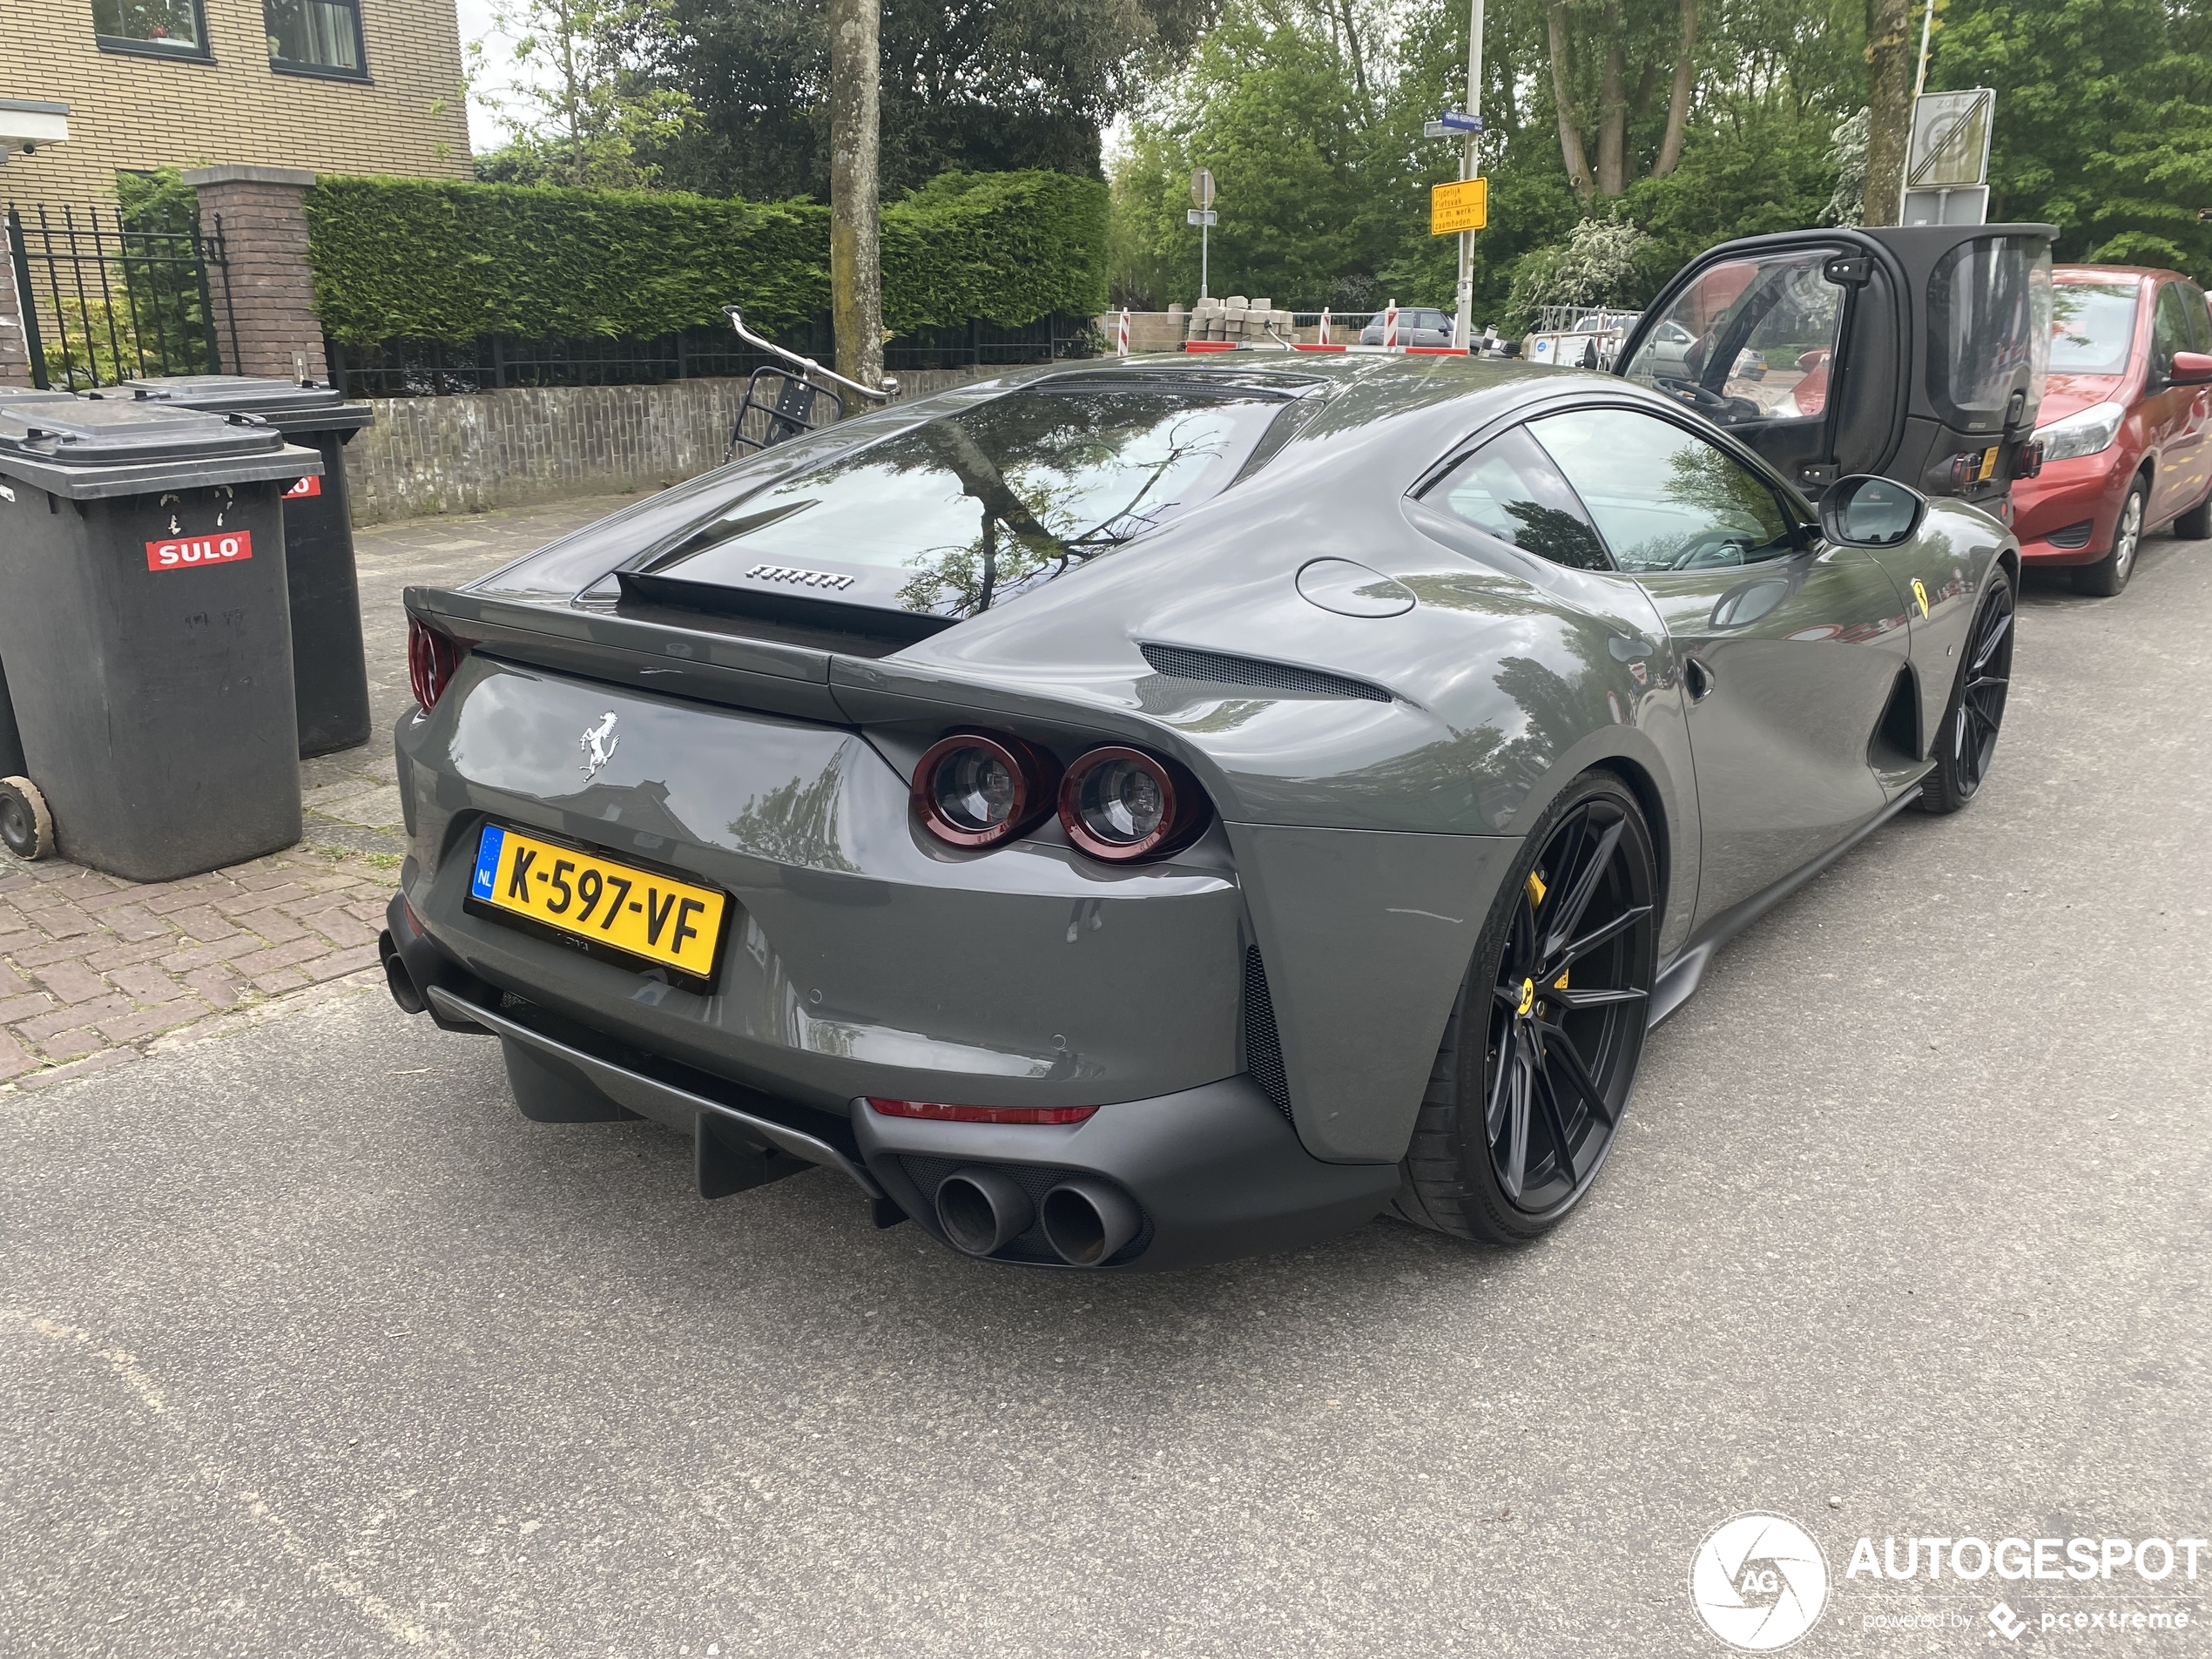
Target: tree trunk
<point>1678,95</point>
<point>1889,122</point>
<point>1570,135</point>
<point>1613,109</point>
<point>856,271</point>
<point>1350,25</point>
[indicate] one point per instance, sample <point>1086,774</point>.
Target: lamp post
<point>1470,167</point>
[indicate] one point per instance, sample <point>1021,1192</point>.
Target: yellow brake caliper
<point>1536,891</point>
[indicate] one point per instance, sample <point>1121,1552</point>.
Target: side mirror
<point>2189,369</point>
<point>1868,511</point>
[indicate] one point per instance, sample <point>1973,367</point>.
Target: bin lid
<point>85,447</point>
<point>286,405</point>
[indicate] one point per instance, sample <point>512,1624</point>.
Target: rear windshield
<point>990,501</point>
<point>2093,325</point>
<point>1989,320</point>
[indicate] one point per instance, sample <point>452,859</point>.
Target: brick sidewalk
<point>93,967</point>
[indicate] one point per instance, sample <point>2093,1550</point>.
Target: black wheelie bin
<point>328,672</point>
<point>11,763</point>
<point>146,634</point>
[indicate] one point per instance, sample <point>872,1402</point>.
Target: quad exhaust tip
<point>1088,1222</point>
<point>982,1210</point>
<point>401,982</point>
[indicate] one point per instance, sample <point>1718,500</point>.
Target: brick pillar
<point>15,348</point>
<point>264,283</point>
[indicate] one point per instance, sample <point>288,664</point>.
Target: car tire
<point>2195,525</point>
<point>1967,740</point>
<point>2109,574</point>
<point>1508,1139</point>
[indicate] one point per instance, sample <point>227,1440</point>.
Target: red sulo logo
<point>187,551</point>
<point>305,487</point>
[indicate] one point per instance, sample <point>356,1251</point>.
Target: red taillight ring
<point>432,656</point>
<point>1033,773</point>
<point>1184,806</point>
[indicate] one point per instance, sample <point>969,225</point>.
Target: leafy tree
<point>978,88</point>
<point>2104,120</point>
<point>581,117</point>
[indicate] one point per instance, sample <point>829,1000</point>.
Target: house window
<point>159,27</point>
<point>315,36</point>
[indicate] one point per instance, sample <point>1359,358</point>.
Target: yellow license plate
<point>601,902</point>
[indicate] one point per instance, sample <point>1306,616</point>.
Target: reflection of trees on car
<point>1060,481</point>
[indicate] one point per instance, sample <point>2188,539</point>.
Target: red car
<point>2123,422</point>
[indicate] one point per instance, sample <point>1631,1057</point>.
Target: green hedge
<point>422,259</point>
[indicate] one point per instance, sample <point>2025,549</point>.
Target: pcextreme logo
<point>1759,1581</point>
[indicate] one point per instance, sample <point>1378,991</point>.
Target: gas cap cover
<point>1352,590</point>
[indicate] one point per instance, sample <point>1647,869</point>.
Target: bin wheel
<point>26,826</point>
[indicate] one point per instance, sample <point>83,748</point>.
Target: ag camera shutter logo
<point>1759,1582</point>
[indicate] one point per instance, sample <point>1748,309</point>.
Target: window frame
<point>324,72</point>
<point>2161,360</point>
<point>1797,512</point>
<point>131,46</point>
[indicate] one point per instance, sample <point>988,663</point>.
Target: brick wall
<point>468,455</point>
<point>264,293</point>
<point>130,112</point>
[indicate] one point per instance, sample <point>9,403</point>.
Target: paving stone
<point>266,961</point>
<point>46,950</point>
<point>128,1028</point>
<point>184,961</point>
<point>145,982</point>
<point>23,1008</point>
<point>217,986</point>
<point>282,980</point>
<point>274,926</point>
<point>72,1043</point>
<point>340,962</point>
<point>132,922</point>
<point>237,904</point>
<point>13,983</point>
<point>62,921</point>
<point>72,982</point>
<point>15,1059</point>
<point>343,930</point>
<point>47,1025</point>
<point>202,922</point>
<point>115,956</point>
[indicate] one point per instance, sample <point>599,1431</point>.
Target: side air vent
<point>2073,535</point>
<point>1263,1043</point>
<point>1224,670</point>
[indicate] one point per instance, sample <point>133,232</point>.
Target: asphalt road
<point>310,1345</point>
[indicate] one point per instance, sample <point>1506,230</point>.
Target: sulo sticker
<point>184,552</point>
<point>1920,593</point>
<point>304,489</point>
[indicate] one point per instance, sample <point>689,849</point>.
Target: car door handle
<point>1698,678</point>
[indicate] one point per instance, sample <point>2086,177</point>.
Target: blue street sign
<point>1459,121</point>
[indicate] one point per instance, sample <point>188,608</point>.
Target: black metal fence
<point>430,368</point>
<point>106,298</point>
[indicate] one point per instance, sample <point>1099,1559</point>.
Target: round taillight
<point>431,658</point>
<point>1121,804</point>
<point>975,790</point>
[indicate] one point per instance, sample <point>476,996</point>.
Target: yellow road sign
<point>1456,207</point>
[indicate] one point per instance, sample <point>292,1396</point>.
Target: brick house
<point>356,86</point>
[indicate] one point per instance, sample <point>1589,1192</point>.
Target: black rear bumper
<point>1216,1171</point>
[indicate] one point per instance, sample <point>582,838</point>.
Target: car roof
<point>2103,273</point>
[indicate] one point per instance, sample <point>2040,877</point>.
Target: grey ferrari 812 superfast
<point>1142,811</point>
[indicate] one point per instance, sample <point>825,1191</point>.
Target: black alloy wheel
<point>1968,742</point>
<point>1540,1054</point>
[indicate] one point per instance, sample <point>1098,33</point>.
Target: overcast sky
<point>484,132</point>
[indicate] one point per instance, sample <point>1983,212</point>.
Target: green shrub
<point>429,260</point>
